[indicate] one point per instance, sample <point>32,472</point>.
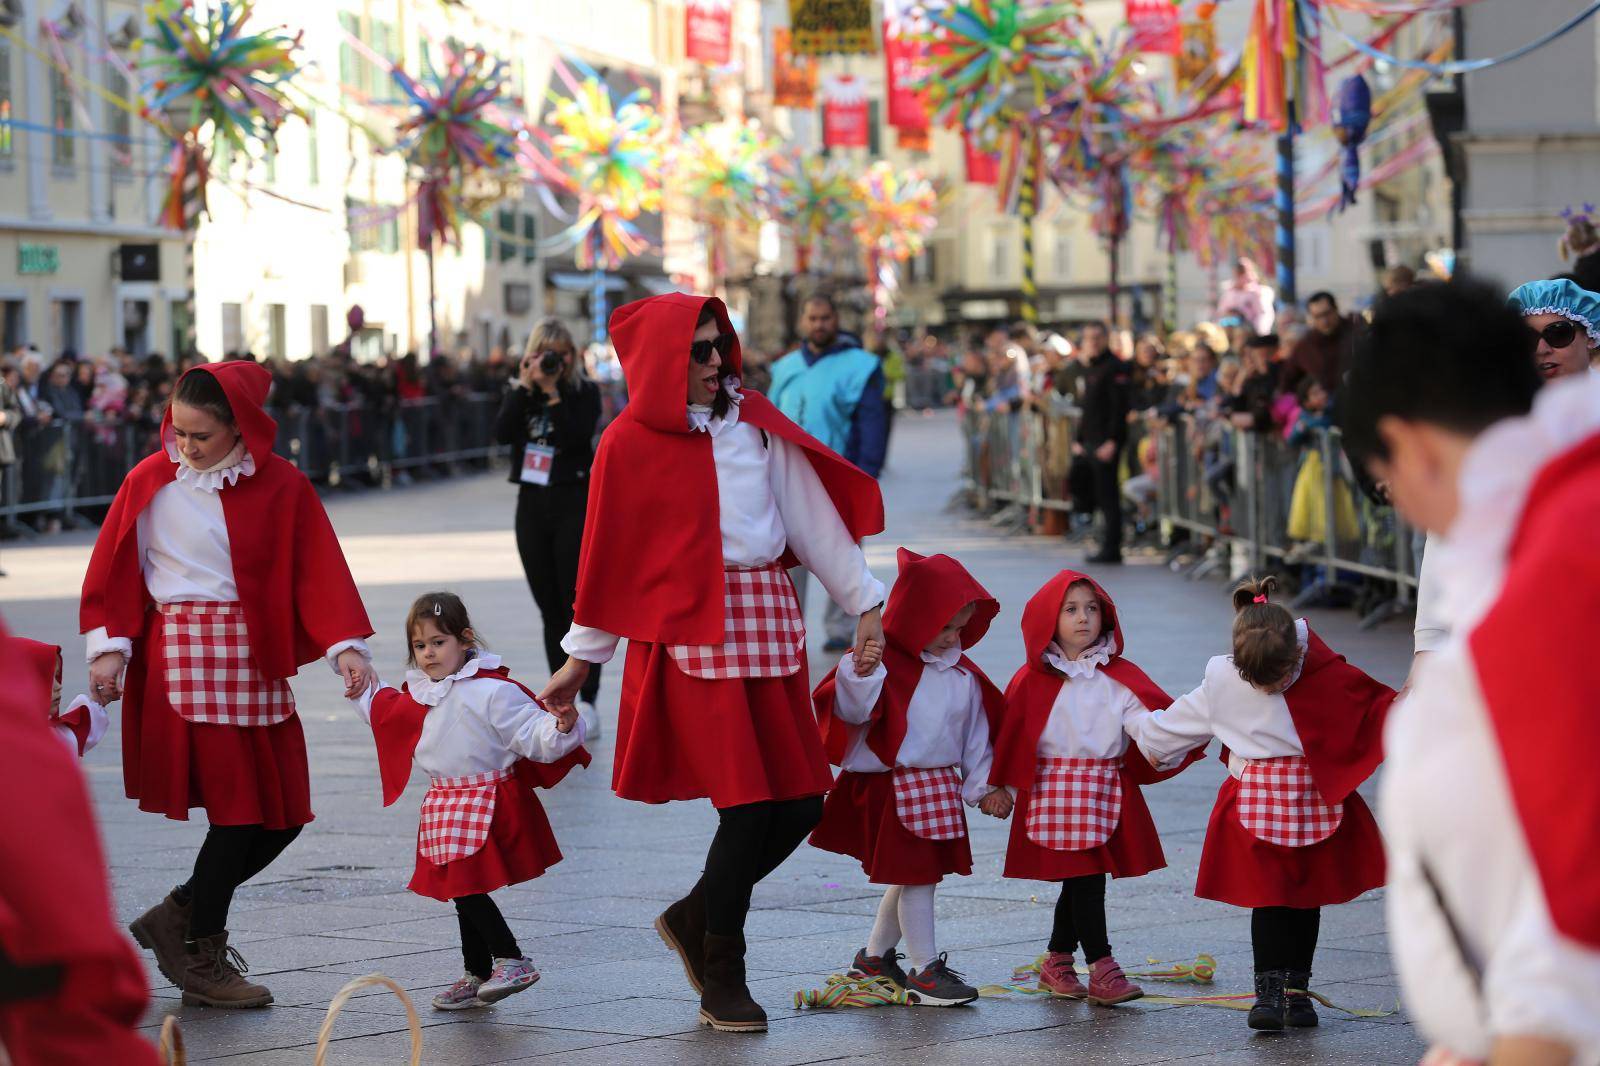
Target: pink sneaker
<point>1107,985</point>
<point>1059,976</point>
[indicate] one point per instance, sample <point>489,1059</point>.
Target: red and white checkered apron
<point>763,630</point>
<point>456,815</point>
<point>205,659</point>
<point>1075,803</point>
<point>928,802</point>
<point>1279,803</point>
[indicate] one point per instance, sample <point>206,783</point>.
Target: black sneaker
<point>937,985</point>
<point>1267,1014</point>
<point>887,965</point>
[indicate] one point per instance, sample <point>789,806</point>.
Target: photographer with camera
<point>548,418</point>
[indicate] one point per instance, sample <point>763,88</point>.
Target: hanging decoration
<point>814,201</point>
<point>905,64</point>
<point>794,77</point>
<point>833,27</point>
<point>898,213</point>
<point>845,115</point>
<point>1154,26</point>
<point>1282,64</point>
<point>1350,127</point>
<point>708,31</point>
<point>723,169</point>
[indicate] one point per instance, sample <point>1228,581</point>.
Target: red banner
<point>983,168</point>
<point>844,112</point>
<point>708,31</point>
<point>1155,26</point>
<point>794,78</point>
<point>905,65</point>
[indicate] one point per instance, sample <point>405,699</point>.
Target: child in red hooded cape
<point>928,712</point>
<point>702,494</point>
<point>1064,755</point>
<point>485,743</point>
<point>71,987</point>
<point>1301,728</point>
<point>83,724</point>
<point>215,577</point>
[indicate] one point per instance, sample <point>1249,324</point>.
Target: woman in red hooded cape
<point>912,735</point>
<point>1065,755</point>
<point>215,577</point>
<point>701,496</point>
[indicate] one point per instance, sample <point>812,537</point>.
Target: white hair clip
<point>438,608</point>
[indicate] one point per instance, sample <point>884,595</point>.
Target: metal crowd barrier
<point>1228,497</point>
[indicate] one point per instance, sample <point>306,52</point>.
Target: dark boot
<point>214,976</point>
<point>162,930</point>
<point>1268,1013</point>
<point>726,1004</point>
<point>682,927</point>
<point>1301,1012</point>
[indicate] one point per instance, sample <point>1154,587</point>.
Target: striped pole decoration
<point>1169,292</point>
<point>193,199</point>
<point>1284,201</point>
<point>1028,208</point>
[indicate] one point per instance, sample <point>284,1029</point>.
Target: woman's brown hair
<point>1265,645</point>
<point>721,402</point>
<point>448,614</point>
<point>201,389</point>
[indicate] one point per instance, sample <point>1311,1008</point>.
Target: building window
<point>319,329</point>
<point>1061,251</point>
<point>69,326</point>
<point>506,222</point>
<point>15,323</point>
<point>64,145</point>
<point>121,126</point>
<point>1000,252</point>
<point>277,328</point>
<point>5,99</point>
<point>232,328</point>
<point>178,322</point>
<point>372,228</point>
<point>530,237</point>
<point>874,130</point>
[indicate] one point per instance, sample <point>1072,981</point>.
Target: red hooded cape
<point>298,596</point>
<point>45,660</point>
<point>397,726</point>
<point>651,564</point>
<point>55,903</point>
<point>927,593</point>
<point>1539,674</point>
<point>1034,687</point>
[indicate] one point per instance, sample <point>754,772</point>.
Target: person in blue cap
<point>1566,319</point>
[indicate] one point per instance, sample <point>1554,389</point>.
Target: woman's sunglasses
<point>722,344</point>
<point>1557,334</point>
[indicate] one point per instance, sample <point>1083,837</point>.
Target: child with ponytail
<point>1300,728</point>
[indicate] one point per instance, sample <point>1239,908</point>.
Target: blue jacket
<point>852,418</point>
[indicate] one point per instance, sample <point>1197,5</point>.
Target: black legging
<point>485,936</point>
<point>1284,938</point>
<point>752,841</point>
<point>230,856</point>
<point>549,534</point>
<point>1108,497</point>
<point>1081,917</point>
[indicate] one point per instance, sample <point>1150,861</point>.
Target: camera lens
<point>549,362</point>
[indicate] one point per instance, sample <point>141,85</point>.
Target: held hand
<point>357,672</point>
<point>869,628</point>
<point>1106,452</point>
<point>105,677</point>
<point>562,689</point>
<point>868,658</point>
<point>1077,449</point>
<point>1155,763</point>
<point>997,804</point>
<point>566,720</point>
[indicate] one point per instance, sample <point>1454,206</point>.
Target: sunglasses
<point>700,351</point>
<point>1557,334</point>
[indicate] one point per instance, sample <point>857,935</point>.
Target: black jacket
<point>568,427</point>
<point>1105,402</point>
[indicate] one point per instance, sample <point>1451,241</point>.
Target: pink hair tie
<point>1260,599</point>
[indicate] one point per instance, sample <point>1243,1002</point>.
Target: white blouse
<point>1089,718</point>
<point>770,498</point>
<point>1252,723</point>
<point>477,728</point>
<point>945,721</point>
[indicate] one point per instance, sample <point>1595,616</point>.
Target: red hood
<point>1039,616</point>
<point>652,337</point>
<point>927,593</point>
<point>247,385</point>
<point>44,662</point>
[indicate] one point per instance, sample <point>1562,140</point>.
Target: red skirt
<point>241,775</point>
<point>1239,868</point>
<point>520,847</point>
<point>1132,849</point>
<point>735,741</point>
<point>859,820</point>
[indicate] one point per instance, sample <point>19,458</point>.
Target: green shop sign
<point>38,258</point>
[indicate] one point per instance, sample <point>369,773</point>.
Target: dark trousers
<point>1284,938</point>
<point>1081,917</point>
<point>752,840</point>
<point>549,535</point>
<point>485,936</point>
<point>1108,498</point>
<point>229,856</point>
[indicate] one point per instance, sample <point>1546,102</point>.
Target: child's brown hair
<point>1265,645</point>
<point>448,614</point>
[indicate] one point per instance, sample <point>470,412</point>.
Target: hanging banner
<point>794,78</point>
<point>1155,26</point>
<point>905,64</point>
<point>844,112</point>
<point>833,27</point>
<point>1196,53</point>
<point>983,168</point>
<point>913,140</point>
<point>708,31</point>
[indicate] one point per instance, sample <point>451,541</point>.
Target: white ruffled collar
<point>430,693</point>
<point>701,420</point>
<point>1302,637</point>
<point>236,464</point>
<point>947,661</point>
<point>1085,665</point>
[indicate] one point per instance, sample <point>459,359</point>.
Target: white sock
<point>886,930</point>
<point>916,921</point>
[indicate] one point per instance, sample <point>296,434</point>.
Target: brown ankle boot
<point>726,1004</point>
<point>213,976</point>
<point>683,927</point>
<point>162,929</point>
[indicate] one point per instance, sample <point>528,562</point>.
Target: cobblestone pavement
<point>335,906</point>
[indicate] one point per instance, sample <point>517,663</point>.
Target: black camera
<point>550,362</point>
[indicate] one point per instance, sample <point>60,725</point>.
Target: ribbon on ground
<point>841,990</point>
<point>1025,979</point>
